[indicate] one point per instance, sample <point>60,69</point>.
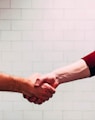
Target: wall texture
<point>40,36</point>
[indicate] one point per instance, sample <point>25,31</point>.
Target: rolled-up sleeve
<point>90,61</point>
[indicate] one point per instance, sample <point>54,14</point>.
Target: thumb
<point>38,83</point>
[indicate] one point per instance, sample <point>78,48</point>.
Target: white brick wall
<point>40,36</point>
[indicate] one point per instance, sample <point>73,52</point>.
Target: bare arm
<point>83,68</point>
<point>10,83</point>
<point>75,71</point>
<point>25,86</point>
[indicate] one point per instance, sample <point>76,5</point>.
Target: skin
<point>41,93</point>
<point>26,86</point>
<point>75,71</point>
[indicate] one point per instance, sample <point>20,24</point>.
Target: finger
<point>44,79</point>
<point>30,99</point>
<point>38,83</point>
<point>55,85</point>
<point>50,80</point>
<point>25,96</point>
<point>48,88</point>
<point>47,94</point>
<point>39,101</point>
<point>36,100</point>
<point>33,99</point>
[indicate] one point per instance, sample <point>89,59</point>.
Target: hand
<point>40,94</point>
<point>48,78</point>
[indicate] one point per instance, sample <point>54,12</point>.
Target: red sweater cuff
<point>90,61</point>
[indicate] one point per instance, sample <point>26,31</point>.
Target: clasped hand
<point>43,89</point>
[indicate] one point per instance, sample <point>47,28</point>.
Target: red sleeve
<point>90,61</point>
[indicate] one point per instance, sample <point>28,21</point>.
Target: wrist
<point>58,77</point>
<point>24,86</point>
<point>61,78</point>
<point>18,84</point>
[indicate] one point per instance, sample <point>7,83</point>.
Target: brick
<point>20,4</point>
<point>10,14</point>
<point>35,115</point>
<point>10,35</point>
<point>4,3</point>
<point>42,3</point>
<point>32,14</point>
<point>5,25</point>
<point>54,115</point>
<point>17,115</point>
<point>22,25</point>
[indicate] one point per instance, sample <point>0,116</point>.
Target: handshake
<point>39,88</point>
<point>42,87</point>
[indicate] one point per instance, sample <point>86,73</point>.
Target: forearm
<point>10,83</point>
<point>73,72</point>
<point>85,67</point>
